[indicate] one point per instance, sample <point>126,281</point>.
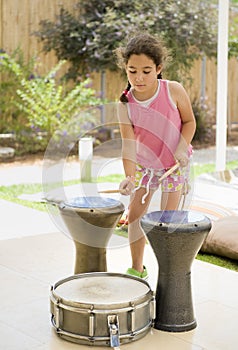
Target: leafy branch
<point>49,105</point>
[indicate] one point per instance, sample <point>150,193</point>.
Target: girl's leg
<point>170,200</point>
<point>136,236</point>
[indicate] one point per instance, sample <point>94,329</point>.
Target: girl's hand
<point>127,186</point>
<point>181,157</point>
<point>181,153</point>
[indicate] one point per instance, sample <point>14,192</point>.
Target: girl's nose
<point>139,77</point>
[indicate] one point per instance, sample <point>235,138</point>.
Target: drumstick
<point>169,172</point>
<point>166,174</point>
<point>110,191</point>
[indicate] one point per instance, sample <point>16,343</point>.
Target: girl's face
<point>142,74</point>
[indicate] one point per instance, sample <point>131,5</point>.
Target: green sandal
<point>133,272</point>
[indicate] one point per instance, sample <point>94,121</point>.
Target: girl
<point>157,125</point>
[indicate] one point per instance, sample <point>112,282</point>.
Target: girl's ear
<point>159,68</point>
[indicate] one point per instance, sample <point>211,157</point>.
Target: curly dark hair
<point>146,44</point>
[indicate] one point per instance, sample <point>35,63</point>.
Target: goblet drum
<point>91,222</point>
<point>175,237</point>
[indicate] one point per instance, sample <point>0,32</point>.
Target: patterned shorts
<point>172,183</point>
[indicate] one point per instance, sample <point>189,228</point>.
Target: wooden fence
<point>20,18</point>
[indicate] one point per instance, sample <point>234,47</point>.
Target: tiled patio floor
<point>35,255</point>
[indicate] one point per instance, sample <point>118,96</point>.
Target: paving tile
<point>12,339</point>
<point>17,288</point>
<point>43,257</point>
<point>217,327</point>
<point>216,283</point>
<point>31,318</point>
<point>18,221</point>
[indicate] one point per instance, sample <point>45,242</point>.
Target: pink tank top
<point>157,129</point>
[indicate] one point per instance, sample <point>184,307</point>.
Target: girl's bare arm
<point>128,141</point>
<point>182,101</point>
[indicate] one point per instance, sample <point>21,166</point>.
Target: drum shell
<point>91,226</point>
<point>73,321</point>
<point>100,217</point>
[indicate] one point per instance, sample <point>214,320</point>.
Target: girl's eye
<point>134,72</point>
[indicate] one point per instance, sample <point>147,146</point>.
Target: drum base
<point>175,328</point>
<point>89,259</point>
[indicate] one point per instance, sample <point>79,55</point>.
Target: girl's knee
<point>133,218</point>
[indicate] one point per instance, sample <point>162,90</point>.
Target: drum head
<point>175,221</point>
<point>92,202</point>
<point>101,288</point>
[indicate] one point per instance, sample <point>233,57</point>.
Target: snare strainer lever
<point>113,326</point>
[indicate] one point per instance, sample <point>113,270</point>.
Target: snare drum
<point>102,308</point>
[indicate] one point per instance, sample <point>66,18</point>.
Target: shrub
<point>49,105</point>
<point>11,117</point>
<point>204,120</point>
<point>87,35</point>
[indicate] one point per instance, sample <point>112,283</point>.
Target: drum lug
<point>133,318</point>
<point>57,314</point>
<point>153,309</point>
<point>113,326</point>
<point>91,325</point>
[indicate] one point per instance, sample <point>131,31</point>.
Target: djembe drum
<point>175,237</point>
<point>91,222</point>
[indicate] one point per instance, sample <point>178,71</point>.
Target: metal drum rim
<point>114,203</point>
<point>194,226</point>
<point>93,210</point>
<point>57,298</point>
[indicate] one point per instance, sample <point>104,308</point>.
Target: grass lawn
<point>11,193</point>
